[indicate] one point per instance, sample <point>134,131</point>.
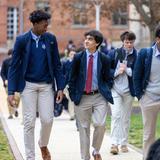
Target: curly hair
<point>39,15</point>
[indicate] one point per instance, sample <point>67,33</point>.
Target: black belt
<point>91,93</point>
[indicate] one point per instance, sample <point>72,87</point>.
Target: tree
<point>149,12</point>
<point>148,9</point>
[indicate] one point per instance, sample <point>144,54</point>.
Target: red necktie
<point>89,74</point>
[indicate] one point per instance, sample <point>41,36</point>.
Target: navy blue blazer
<point>20,59</point>
<point>142,71</point>
<point>77,78</point>
<point>120,56</point>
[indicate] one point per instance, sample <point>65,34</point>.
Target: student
<point>4,74</point>
<point>89,89</point>
<point>122,66</point>
<point>147,89</point>
<point>34,69</point>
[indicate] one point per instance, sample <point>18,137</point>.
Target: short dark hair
<point>157,32</point>
<point>154,151</point>
<point>127,35</point>
<point>10,51</point>
<point>97,36</point>
<point>39,15</point>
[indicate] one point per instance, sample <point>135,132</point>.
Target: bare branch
<point>139,7</point>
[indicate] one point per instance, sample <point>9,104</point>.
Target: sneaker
<point>16,113</point>
<point>124,148</point>
<point>10,117</point>
<point>114,149</point>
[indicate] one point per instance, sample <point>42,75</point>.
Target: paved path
<point>64,142</point>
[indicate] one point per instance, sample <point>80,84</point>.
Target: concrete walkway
<point>64,141</point>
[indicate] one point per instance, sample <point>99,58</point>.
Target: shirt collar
<point>156,51</point>
<point>35,37</point>
<point>131,52</point>
<point>94,54</point>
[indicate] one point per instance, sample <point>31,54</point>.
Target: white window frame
<point>12,23</point>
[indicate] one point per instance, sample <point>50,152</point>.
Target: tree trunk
<point>152,32</point>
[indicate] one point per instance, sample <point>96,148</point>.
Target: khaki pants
<point>149,115</point>
<point>91,107</point>
<point>35,96</point>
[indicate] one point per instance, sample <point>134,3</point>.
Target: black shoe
<point>16,113</point>
<point>10,117</point>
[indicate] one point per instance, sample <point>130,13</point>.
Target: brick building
<point>14,20</point>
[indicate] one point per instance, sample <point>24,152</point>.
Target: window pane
<point>80,17</point>
<point>119,17</point>
<point>12,22</point>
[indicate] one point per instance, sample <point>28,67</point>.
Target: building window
<point>79,17</point>
<point>43,4</point>
<point>12,23</point>
<point>119,17</point>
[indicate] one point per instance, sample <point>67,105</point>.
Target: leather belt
<point>91,93</point>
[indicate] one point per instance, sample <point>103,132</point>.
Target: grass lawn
<point>5,152</point>
<point>136,129</point>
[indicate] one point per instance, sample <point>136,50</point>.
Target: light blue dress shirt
<point>36,38</point>
<point>94,74</point>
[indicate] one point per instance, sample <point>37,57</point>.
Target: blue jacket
<point>20,59</point>
<point>119,55</point>
<point>142,71</point>
<point>77,78</point>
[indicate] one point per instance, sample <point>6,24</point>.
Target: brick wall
<point>60,26</point>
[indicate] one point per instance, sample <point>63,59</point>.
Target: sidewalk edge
<point>14,148</point>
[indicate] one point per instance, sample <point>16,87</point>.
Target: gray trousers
<point>91,107</point>
<point>37,96</point>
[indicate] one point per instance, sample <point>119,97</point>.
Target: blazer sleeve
<point>58,71</point>
<point>73,76</point>
<point>14,69</point>
<point>138,73</point>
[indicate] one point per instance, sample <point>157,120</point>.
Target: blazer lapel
<point>99,66</point>
<point>148,61</point>
<point>49,53</point>
<point>27,50</point>
<point>84,65</point>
